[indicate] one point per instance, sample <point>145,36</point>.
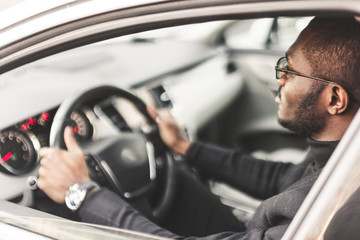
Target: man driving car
<point>319,85</point>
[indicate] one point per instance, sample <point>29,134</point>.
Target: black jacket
<point>285,186</point>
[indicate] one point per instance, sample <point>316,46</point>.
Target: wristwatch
<point>77,193</point>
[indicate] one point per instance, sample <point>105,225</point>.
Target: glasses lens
<point>281,64</point>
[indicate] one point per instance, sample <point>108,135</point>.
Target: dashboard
<point>29,119</point>
<point>20,143</point>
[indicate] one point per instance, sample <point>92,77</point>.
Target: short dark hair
<point>333,50</point>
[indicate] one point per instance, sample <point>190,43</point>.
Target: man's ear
<point>338,99</point>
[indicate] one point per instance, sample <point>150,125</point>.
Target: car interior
<point>218,84</point>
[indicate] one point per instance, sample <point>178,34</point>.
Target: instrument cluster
<point>20,143</point>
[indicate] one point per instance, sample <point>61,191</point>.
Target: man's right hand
<point>60,169</point>
<point>170,132</point>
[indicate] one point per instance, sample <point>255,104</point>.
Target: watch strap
<point>87,186</point>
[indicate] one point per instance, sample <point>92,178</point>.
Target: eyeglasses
<point>282,69</point>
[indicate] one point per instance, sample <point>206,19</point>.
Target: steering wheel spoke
<point>95,171</point>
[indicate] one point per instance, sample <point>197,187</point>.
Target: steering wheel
<point>136,165</point>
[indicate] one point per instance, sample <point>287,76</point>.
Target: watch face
<point>77,193</point>
<point>74,197</point>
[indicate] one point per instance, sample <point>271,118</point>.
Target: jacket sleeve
<point>259,178</point>
<point>106,208</point>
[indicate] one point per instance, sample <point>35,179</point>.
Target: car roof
<point>38,12</point>
<point>43,14</point>
<point>27,9</point>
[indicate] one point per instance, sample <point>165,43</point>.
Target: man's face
<point>298,97</point>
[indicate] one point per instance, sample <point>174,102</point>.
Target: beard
<point>308,120</point>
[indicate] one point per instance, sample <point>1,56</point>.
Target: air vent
<point>112,113</point>
<point>161,97</point>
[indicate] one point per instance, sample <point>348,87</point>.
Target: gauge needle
<point>6,157</point>
<point>76,129</point>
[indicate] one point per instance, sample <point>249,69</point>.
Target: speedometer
<point>18,151</point>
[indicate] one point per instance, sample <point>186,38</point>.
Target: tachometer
<point>81,125</point>
<point>18,151</point>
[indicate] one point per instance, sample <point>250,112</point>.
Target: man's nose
<point>281,81</point>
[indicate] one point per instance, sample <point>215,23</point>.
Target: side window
<point>285,31</point>
<point>248,34</point>
<point>265,33</point>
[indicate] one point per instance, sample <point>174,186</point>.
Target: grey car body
<point>43,61</point>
